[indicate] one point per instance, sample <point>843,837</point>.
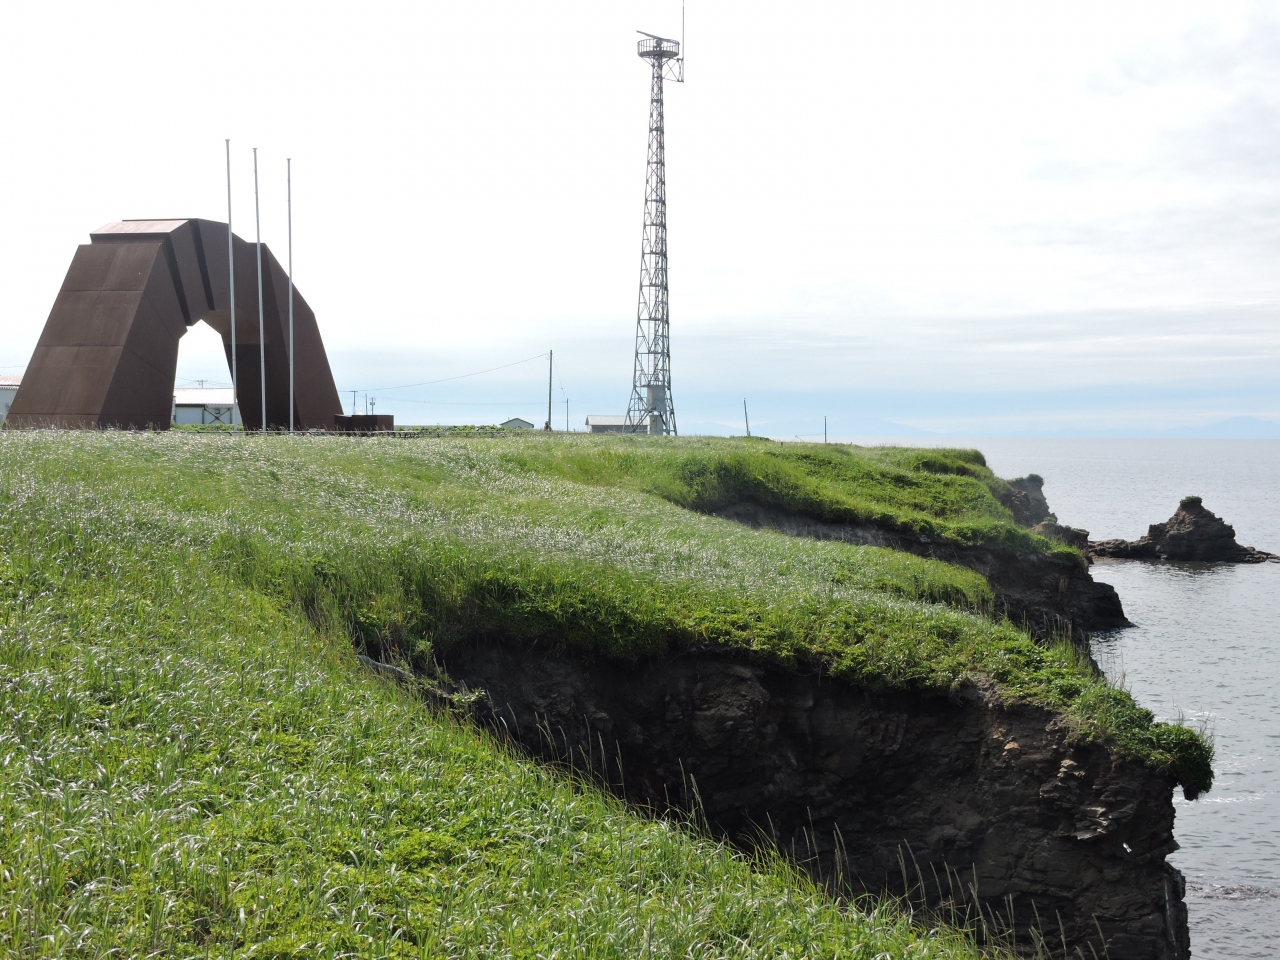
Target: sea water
<point>1205,649</point>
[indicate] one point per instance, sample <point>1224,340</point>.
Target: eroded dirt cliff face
<point>958,798</point>
<point>1049,596</point>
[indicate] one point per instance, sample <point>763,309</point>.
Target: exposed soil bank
<point>1048,595</point>
<point>966,792</point>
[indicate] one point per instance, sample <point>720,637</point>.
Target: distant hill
<point>1236,428</point>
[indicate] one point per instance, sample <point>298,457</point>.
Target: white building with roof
<point>8,390</point>
<point>191,405</point>
<point>602,423</point>
<point>204,405</point>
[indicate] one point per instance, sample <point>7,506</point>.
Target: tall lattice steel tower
<point>651,407</point>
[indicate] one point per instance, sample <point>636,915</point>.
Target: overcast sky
<point>971,219</point>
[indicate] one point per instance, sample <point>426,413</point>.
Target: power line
<point>466,403</point>
<point>205,381</point>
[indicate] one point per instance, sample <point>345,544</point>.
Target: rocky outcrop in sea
<point>1193,533</point>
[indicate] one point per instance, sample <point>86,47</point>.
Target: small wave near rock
<point>1231,891</point>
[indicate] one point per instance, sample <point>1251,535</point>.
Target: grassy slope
<point>947,494</point>
<point>569,522</point>
<point>408,543</point>
<point>190,769</point>
<point>411,543</point>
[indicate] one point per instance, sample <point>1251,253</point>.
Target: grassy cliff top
<point>409,544</point>
<point>946,494</point>
<point>195,767</point>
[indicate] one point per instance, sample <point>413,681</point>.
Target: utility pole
<point>550,373</point>
<point>746,419</point>
<point>824,428</point>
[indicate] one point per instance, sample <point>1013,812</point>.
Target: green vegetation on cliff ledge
<point>409,544</point>
<point>196,765</point>
<point>949,495</point>
<point>192,770</point>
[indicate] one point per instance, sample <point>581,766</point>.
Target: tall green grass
<point>410,545</point>
<point>950,495</point>
<point>191,768</point>
<point>191,764</point>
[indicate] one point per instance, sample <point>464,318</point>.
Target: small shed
<point>204,405</point>
<point>600,423</point>
<point>516,423</point>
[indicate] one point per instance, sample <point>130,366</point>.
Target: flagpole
<point>262,338</point>
<point>288,167</point>
<point>231,271</point>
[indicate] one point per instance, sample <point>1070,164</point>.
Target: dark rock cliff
<point>1193,533</point>
<point>958,800</point>
<point>1049,596</point>
<point>1072,537</point>
<point>1026,500</point>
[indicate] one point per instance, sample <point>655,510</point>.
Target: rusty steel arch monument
<point>109,351</point>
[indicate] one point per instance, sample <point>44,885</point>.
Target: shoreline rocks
<point>1072,537</point>
<point>1026,500</point>
<point>1193,533</point>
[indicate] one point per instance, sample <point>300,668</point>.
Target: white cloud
<point>1083,194</point>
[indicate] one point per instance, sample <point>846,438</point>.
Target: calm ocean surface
<point>1206,647</point>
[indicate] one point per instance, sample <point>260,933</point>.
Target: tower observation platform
<point>658,48</point>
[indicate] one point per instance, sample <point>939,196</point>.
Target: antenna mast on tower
<point>651,409</point>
